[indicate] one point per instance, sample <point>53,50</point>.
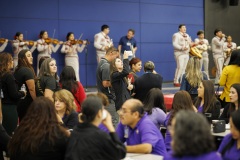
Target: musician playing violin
<point>45,46</point>
<point>71,48</point>
<point>19,44</point>
<point>203,45</point>
<point>228,47</point>
<point>4,44</point>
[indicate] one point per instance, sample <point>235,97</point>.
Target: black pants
<point>10,118</point>
<point>23,106</point>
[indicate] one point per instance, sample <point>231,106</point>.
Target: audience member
<point>192,139</point>
<point>229,76</point>
<point>206,102</point>
<point>154,106</point>
<point>230,145</point>
<point>10,94</point>
<point>69,82</point>
<point>136,66</point>
<point>87,141</point>
<point>234,102</point>
<point>181,101</point>
<point>47,83</point>
<point>65,107</point>
<point>193,77</point>
<point>118,74</point>
<point>138,131</point>
<point>39,135</point>
<point>147,81</point>
<point>25,77</point>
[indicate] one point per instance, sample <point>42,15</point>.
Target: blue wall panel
<point>154,21</point>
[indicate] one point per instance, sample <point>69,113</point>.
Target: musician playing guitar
<point>202,44</point>
<point>228,47</point>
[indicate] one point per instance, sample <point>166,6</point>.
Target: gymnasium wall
<point>154,21</point>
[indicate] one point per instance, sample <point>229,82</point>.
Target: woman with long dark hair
<point>154,106</point>
<point>191,138</point>
<point>234,102</point>
<point>68,81</point>
<point>181,101</point>
<point>118,75</point>
<point>230,76</point>
<point>71,48</point>
<point>39,135</point>
<point>10,93</point>
<point>230,146</point>
<point>87,141</point>
<point>25,77</point>
<point>206,102</point>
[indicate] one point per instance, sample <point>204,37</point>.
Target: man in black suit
<point>150,79</point>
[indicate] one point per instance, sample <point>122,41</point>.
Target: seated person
<point>88,142</point>
<point>191,138</point>
<point>66,108</point>
<point>138,131</point>
<point>230,146</point>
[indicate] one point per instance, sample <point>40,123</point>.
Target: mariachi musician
<point>228,47</point>
<point>203,45</point>
<point>181,43</point>
<point>4,44</point>
<point>45,46</point>
<point>71,48</point>
<point>217,50</point>
<point>19,44</point>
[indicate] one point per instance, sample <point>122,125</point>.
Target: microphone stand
<point>86,58</point>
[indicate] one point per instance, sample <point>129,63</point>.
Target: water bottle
<point>23,88</point>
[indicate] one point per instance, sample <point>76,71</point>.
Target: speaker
<point>233,2</point>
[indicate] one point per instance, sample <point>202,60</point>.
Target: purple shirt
<point>168,137</point>
<point>158,117</point>
<point>144,132</point>
<point>200,109</point>
<point>103,128</point>
<point>207,156</point>
<point>232,153</point>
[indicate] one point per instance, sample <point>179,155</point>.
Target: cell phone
<point>104,114</point>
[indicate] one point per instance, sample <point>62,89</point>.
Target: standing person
<point>193,77</point>
<point>102,42</point>
<point>45,46</point>
<point>103,81</point>
<point>47,83</point>
<point>39,135</point>
<point>234,104</point>
<point>217,50</point>
<point>147,81</point>
<point>203,45</point>
<point>138,131</point>
<point>181,43</point>
<point>87,141</point>
<point>192,139</point>
<point>4,45</point>
<point>65,107</point>
<point>229,148</point>
<point>206,102</point>
<point>10,92</point>
<point>154,106</point>
<point>25,76</point>
<point>71,49</point>
<point>19,44</point>
<point>128,43</point>
<point>229,76</point>
<point>181,101</point>
<point>118,75</point>
<point>136,66</point>
<point>68,81</point>
<point>228,47</point>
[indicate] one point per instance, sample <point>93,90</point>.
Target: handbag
<point>219,126</point>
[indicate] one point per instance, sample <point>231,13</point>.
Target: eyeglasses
<point>124,111</point>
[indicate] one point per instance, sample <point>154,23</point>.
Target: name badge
<point>129,44</point>
<point>126,132</point>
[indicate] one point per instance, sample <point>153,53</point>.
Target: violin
<point>2,40</point>
<point>30,43</point>
<point>73,42</point>
<point>50,40</point>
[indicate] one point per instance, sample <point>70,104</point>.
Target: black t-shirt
<point>103,74</point>
<point>46,82</point>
